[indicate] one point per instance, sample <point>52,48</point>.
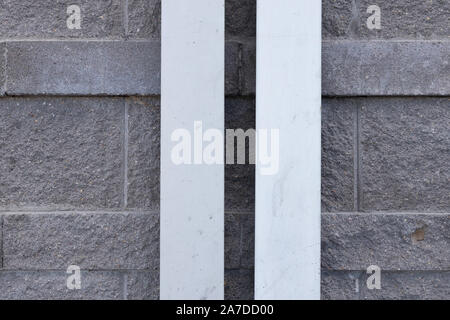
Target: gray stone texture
<point>143,152</point>
<point>360,68</point>
<point>338,18</point>
<point>143,285</point>
<point>2,68</point>
<point>83,68</point>
<point>240,18</point>
<point>93,241</point>
<point>400,19</point>
<point>338,139</point>
<point>401,285</point>
<point>240,178</point>
<point>341,285</point>
<point>239,284</point>
<point>239,240</point>
<point>248,68</point>
<point>391,241</point>
<point>46,19</point>
<point>409,286</point>
<point>405,148</point>
<point>51,285</point>
<point>61,153</point>
<point>233,57</point>
<point>144,19</point>
<point>350,68</point>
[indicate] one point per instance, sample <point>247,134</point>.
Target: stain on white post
<point>192,195</point>
<point>287,264</point>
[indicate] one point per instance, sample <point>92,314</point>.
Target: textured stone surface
<point>239,284</point>
<point>248,69</point>
<point>232,246</point>
<point>61,152</point>
<point>409,286</point>
<point>240,178</point>
<point>405,147</point>
<point>401,19</point>
<point>93,241</point>
<point>341,285</point>
<point>84,67</point>
<point>51,285</point>
<point>2,68</point>
<point>47,19</point>
<point>143,285</point>
<point>338,19</point>
<point>233,59</point>
<point>402,285</point>
<point>240,18</point>
<point>390,241</point>
<point>358,68</point>
<point>144,19</point>
<point>338,119</point>
<point>239,240</point>
<point>143,152</point>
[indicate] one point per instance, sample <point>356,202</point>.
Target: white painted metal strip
<point>289,98</point>
<point>192,195</point>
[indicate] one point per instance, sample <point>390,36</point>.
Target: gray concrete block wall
<point>80,120</point>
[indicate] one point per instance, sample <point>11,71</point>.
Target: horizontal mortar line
<point>120,40</point>
<point>388,213</point>
<point>389,270</point>
<point>240,40</point>
<point>240,212</point>
<point>74,95</point>
<point>86,270</point>
<point>384,40</point>
<point>67,212</point>
<point>408,95</point>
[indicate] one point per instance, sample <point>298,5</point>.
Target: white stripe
<point>288,98</point>
<point>192,196</point>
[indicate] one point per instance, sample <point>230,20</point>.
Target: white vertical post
<point>287,263</point>
<point>192,195</point>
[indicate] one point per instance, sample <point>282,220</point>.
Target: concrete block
<point>51,285</point>
<point>47,19</point>
<point>365,68</point>
<point>240,18</point>
<point>239,284</point>
<point>93,241</point>
<point>401,19</point>
<point>83,68</point>
<point>405,147</point>
<point>61,153</point>
<point>143,153</point>
<point>143,285</point>
<point>144,19</point>
<point>392,241</point>
<point>338,155</point>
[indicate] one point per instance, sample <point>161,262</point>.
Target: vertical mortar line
<point>240,68</point>
<point>361,284</point>
<point>5,52</point>
<point>125,286</point>
<point>353,27</point>
<point>2,239</point>
<point>241,236</point>
<point>125,18</point>
<point>357,160</point>
<point>125,156</point>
